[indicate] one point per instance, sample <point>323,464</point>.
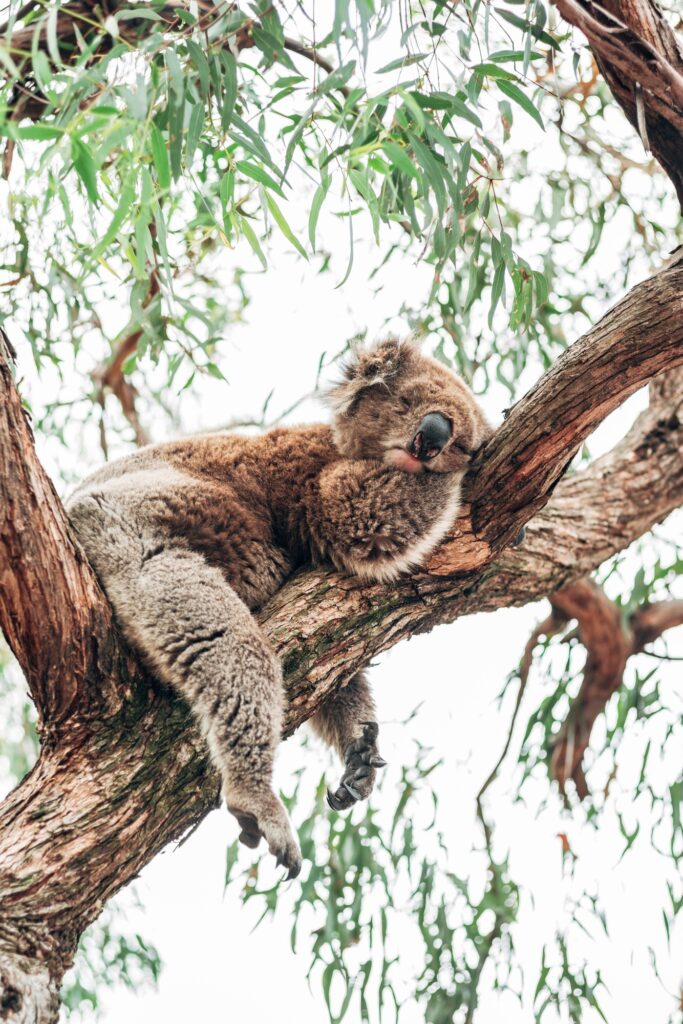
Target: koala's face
<point>407,410</point>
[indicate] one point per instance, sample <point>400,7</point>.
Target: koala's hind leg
<point>199,637</point>
<point>347,722</point>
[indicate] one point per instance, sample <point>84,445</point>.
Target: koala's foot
<point>361,760</point>
<point>268,820</point>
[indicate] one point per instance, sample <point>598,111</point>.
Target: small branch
<point>548,627</point>
<point>641,60</point>
<point>110,377</point>
<point>649,622</point>
<point>608,646</point>
<point>310,53</point>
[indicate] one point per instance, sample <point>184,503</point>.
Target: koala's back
<point>235,500</point>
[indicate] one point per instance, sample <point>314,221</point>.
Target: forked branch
<point>609,644</point>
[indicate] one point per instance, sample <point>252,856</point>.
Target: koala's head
<point>403,408</point>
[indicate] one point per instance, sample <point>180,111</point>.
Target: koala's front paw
<point>361,760</point>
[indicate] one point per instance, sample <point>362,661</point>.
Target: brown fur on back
<point>189,537</point>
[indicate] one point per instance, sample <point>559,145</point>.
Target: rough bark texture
<point>122,771</point>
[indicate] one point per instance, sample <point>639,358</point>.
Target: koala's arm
<point>374,520</point>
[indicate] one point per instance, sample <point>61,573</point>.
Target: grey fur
<point>189,538</point>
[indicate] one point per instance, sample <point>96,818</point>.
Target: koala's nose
<point>431,437</point>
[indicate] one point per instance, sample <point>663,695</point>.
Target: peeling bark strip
<point>639,55</point>
<point>608,645</point>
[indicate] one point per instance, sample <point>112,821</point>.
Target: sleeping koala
<point>190,537</point>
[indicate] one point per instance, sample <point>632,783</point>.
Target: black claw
<point>377,762</point>
<point>334,802</point>
<point>293,871</point>
<point>351,791</point>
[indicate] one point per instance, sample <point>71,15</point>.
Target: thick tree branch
<point>640,336</point>
<point>52,610</point>
<point>642,62</point>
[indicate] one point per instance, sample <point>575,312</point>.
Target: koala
<point>190,537</point>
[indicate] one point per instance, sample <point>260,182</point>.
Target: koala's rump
<point>121,519</point>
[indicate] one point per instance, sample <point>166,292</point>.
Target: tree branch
<point>52,610</point>
<point>642,62</point>
<point>649,622</point>
<point>609,645</point>
<point>639,337</point>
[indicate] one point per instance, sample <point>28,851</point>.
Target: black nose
<point>432,436</point>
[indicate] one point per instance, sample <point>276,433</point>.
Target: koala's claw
<point>276,832</point>
<point>361,761</point>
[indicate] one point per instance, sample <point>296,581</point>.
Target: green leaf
<point>527,26</point>
<point>175,72</point>
<point>250,236</point>
<point>52,44</point>
<point>519,97</point>
<point>337,79</point>
<point>7,62</point>
<point>124,205</point>
<point>229,87</point>
<point>505,56</point>
<point>284,226</point>
<point>493,71</point>
<point>316,206</point>
<point>496,290</point>
<point>403,62</point>
<point>85,168</point>
<point>38,131</point>
<point>176,137</point>
<point>160,157</point>
<point>194,131</point>
<point>258,174</point>
<point>201,64</point>
<point>400,159</point>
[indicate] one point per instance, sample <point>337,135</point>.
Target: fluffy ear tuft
<point>367,368</point>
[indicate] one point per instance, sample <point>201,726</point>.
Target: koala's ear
<point>367,368</point>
